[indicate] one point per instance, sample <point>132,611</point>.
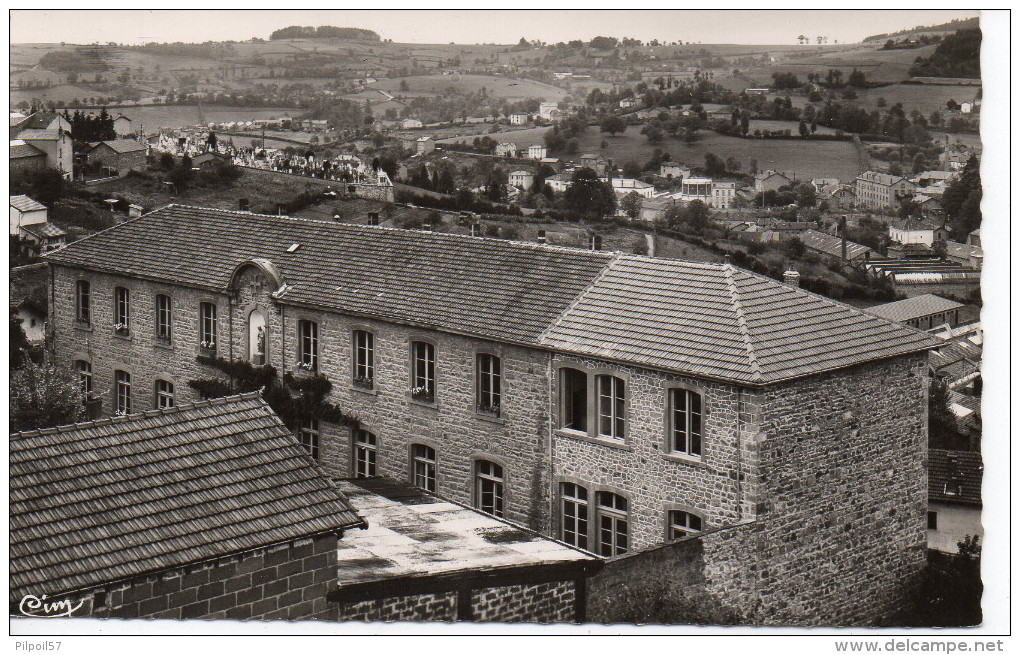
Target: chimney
<point>373,218</point>
<point>842,234</point>
<point>596,242</point>
<point>541,236</point>
<point>242,204</point>
<point>791,278</point>
<point>476,230</point>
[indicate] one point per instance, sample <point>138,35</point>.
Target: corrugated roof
<point>719,321</point>
<point>122,146</point>
<point>683,316</point>
<point>954,476</point>
<point>916,307</point>
<point>26,204</point>
<point>107,500</point>
<point>832,245</point>
<point>486,287</point>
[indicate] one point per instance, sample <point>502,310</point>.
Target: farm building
<point>118,156</point>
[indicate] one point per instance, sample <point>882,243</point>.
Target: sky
<point>745,26</point>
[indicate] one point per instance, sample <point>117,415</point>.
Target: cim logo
<point>39,607</point>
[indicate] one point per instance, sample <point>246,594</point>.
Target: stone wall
<point>420,607</point>
<point>289,581</point>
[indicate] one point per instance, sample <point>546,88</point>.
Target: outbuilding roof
<point>121,146</point>
<point>22,150</point>
<point>710,320</point>
<point>94,503</point>
<point>26,204</point>
<point>45,230</point>
<point>916,307</point>
<point>954,476</point>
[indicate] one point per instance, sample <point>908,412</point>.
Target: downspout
<point>740,456</point>
<point>552,424</point>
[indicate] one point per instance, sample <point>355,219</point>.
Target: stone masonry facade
<point>288,581</point>
<point>830,468</point>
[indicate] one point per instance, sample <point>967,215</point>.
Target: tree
<point>803,129</point>
<point>43,396</point>
<point>806,195</point>
<point>714,165</point>
<point>631,205</point>
<point>941,420</point>
<point>588,195</point>
<point>962,200</point>
<point>613,124</point>
<point>653,132</point>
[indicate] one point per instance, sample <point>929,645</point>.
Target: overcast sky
<point>466,26</point>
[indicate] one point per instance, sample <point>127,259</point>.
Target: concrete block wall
<point>548,602</point>
<point>289,581</point>
<point>419,607</point>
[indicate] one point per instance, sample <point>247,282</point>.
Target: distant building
<point>47,132</point>
<point>123,127</point>
<point>519,119</point>
<point>674,171</point>
<point>843,196</point>
<point>627,103</point>
<point>624,186</point>
<point>723,194</point>
<point>25,157</point>
<point>506,149</point>
<point>769,181</point>
<point>522,179</point>
<point>411,123</point>
<point>552,162</point>
<point>913,230</point>
<point>965,254</point>
<point>118,156</point>
<point>424,145</point>
<point>954,498</point>
<point>696,188</point>
<point>881,190</point>
<point>548,110</point>
<point>32,315</point>
<point>835,248</point>
<point>922,312</point>
<point>536,151</point>
<point>30,221</point>
<point>597,163</point>
<point>26,211</point>
<point>974,238</point>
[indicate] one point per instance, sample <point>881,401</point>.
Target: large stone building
<point>47,133</point>
<point>881,190</point>
<point>614,401</point>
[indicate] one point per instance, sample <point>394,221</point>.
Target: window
<point>122,391</point>
<point>611,406</point>
<point>364,454</point>
<point>612,524</point>
<point>574,506</point>
<point>308,435</point>
<point>364,359</point>
<point>164,318</point>
<point>84,377</point>
<point>423,371</point>
<point>122,311</point>
<point>308,345</point>
<point>683,524</point>
<point>207,325</point>
<point>490,371</point>
<point>574,399</point>
<point>83,302</point>
<point>164,394</point>
<point>424,467</point>
<point>489,487</point>
<point>933,520</point>
<point>685,417</point>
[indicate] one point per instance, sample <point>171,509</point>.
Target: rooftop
<point>833,245</point>
<point>413,533</point>
<point>954,476</point>
<point>21,150</point>
<point>881,178</point>
<point>26,204</point>
<point>916,307</point>
<point>711,320</point>
<point>45,230</point>
<point>97,502</point>
<point>121,146</point>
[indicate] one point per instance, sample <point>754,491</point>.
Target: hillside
<point>959,55</point>
<point>951,26</point>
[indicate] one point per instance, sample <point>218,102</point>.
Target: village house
<point>30,220</point>
<point>954,498</point>
<point>625,185</point>
<point>659,399</point>
<point>770,181</point>
<point>674,171</point>
<point>597,163</point>
<point>696,188</point>
<point>559,182</point>
<point>548,110</point>
<point>411,124</point>
<point>519,119</point>
<point>971,256</point>
<point>552,162</point>
<point>183,511</point>
<point>424,145</point>
<point>536,151</point>
<point>627,103</point>
<point>123,127</point>
<point>922,312</point>
<point>24,157</point>
<point>118,156</point>
<point>522,179</point>
<point>723,194</point>
<point>913,230</point>
<point>506,149</point>
<point>881,191</point>
<point>50,134</point>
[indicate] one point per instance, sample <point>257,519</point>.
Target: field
<point>926,98</point>
<point>152,118</point>
<point>805,159</point>
<point>500,87</point>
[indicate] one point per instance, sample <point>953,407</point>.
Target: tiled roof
<point>718,321</point>
<point>21,150</point>
<point>40,120</point>
<point>954,476</point>
<point>916,307</point>
<point>832,245</point>
<point>39,135</point>
<point>703,319</point>
<point>44,230</point>
<point>122,146</point>
<point>485,287</point>
<point>26,204</point>
<point>108,500</point>
<point>964,251</point>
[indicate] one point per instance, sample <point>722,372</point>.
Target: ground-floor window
<point>424,467</point>
<point>489,487</point>
<point>612,524</point>
<point>364,454</point>
<point>574,518</point>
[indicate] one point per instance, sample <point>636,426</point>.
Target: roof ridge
<point>617,257</point>
<point>177,409</point>
<point>741,321</point>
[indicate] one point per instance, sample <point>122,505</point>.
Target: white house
<point>671,171</point>
<point>912,230</point>
<point>954,498</point>
<point>519,119</point>
<point>411,123</point>
<point>522,179</point>
<point>548,110</point>
<point>25,211</point>
<point>723,194</point>
<point>627,103</point>
<point>536,151</point>
<point>696,188</point>
<point>506,150</point>
<point>623,186</point>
